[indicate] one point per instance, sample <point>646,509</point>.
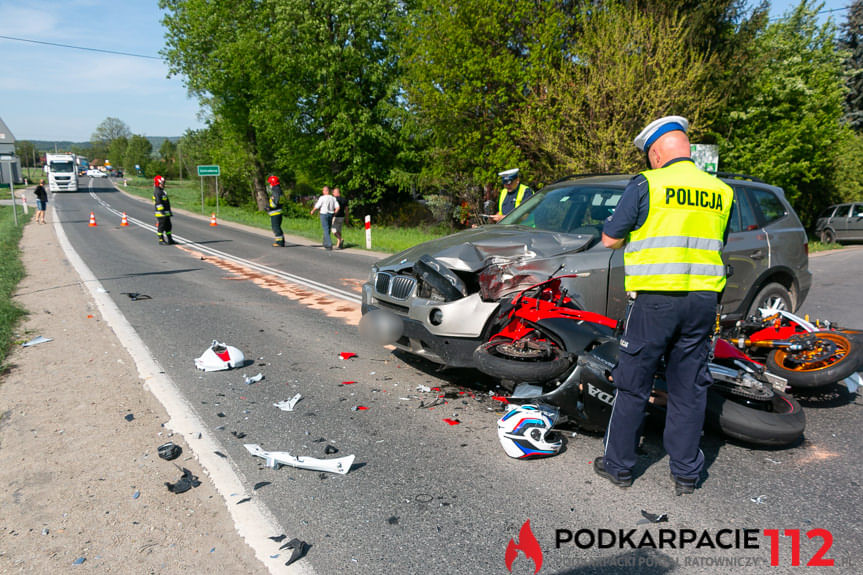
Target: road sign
<point>208,170</point>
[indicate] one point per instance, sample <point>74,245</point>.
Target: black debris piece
<point>135,296</point>
<point>260,484</point>
<point>435,403</point>
<point>185,483</point>
<point>244,500</point>
<point>279,538</point>
<point>393,520</point>
<point>129,417</point>
<point>330,449</point>
<point>220,414</point>
<point>220,454</point>
<point>319,440</point>
<point>238,434</point>
<point>655,518</point>
<point>298,549</point>
<point>169,451</point>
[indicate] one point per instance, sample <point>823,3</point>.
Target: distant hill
<point>50,146</point>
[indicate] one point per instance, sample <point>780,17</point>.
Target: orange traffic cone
<point>213,220</point>
<point>124,221</point>
<point>92,220</point>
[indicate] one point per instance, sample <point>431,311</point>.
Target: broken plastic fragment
<point>298,549</point>
<point>759,499</point>
<point>129,417</point>
<point>852,382</point>
<point>169,451</point>
<point>37,341</point>
<point>348,382</point>
<point>331,449</point>
<point>423,388</point>
<point>279,538</point>
<point>451,421</point>
<point>78,561</point>
<point>254,379</point>
<point>135,296</point>
<point>185,483</point>
<point>500,398</point>
<point>260,484</point>
<point>289,404</point>
<point>347,355</point>
<point>524,390</point>
<point>359,408</point>
<point>136,495</point>
<point>655,518</point>
<point>220,356</point>
<point>339,465</point>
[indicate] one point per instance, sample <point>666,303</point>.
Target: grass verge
<point>186,194</point>
<point>11,273</point>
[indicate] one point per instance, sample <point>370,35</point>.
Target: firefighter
<point>672,223</point>
<point>163,212</point>
<point>512,194</point>
<point>275,211</point>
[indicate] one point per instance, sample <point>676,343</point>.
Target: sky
<point>54,93</point>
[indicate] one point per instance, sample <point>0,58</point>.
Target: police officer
<point>275,211</point>
<point>512,194</point>
<point>163,212</point>
<point>672,220</point>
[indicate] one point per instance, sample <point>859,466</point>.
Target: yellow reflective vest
<point>679,246</point>
<point>519,196</point>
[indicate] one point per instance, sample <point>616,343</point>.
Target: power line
<point>80,47</point>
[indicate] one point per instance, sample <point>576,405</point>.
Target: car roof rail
<point>734,176</point>
<point>588,175</point>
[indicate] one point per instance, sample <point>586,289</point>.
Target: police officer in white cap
<point>512,194</point>
<point>672,221</point>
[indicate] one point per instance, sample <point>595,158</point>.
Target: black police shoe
<point>625,479</point>
<point>171,242</point>
<point>684,485</point>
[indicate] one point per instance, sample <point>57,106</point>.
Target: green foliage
<point>11,272</point>
<point>138,151</point>
<point>628,67</point>
<point>26,152</point>
<point>849,169</point>
<point>852,41</point>
<point>786,127</point>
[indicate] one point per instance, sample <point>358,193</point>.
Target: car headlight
<point>372,274</point>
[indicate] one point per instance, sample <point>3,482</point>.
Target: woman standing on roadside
<point>41,202</point>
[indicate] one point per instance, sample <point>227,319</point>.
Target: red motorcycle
<point>565,355</point>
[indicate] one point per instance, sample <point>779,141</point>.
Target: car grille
<point>395,286</point>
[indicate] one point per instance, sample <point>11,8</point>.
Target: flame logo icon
<point>528,545</point>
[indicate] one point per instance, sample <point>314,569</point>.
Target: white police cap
<point>659,128</point>
<point>508,175</point>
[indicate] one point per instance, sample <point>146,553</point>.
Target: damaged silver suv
<point>441,296</point>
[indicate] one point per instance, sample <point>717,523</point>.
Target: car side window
<point>828,212</point>
<point>748,220</point>
<point>771,207</point>
<point>858,211</point>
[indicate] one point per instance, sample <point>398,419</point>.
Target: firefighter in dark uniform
<point>672,223</point>
<point>163,212</point>
<point>512,194</point>
<point>274,210</point>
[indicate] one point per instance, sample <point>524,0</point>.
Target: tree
<point>138,152</point>
<point>787,129</point>
<point>852,41</point>
<point>106,132</point>
<point>628,67</point>
<point>26,151</point>
<point>117,152</point>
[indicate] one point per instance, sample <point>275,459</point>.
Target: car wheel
<point>772,296</point>
<point>827,236</point>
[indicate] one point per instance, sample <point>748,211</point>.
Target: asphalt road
<point>424,495</point>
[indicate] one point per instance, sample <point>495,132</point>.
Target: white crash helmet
<point>220,356</point>
<point>524,431</point>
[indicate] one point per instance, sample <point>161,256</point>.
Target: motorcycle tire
<point>492,359</point>
<point>777,422</point>
<point>818,372</point>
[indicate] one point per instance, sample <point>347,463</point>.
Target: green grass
<point>11,272</point>
<point>186,194</point>
<point>817,246</point>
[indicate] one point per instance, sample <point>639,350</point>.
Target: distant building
<point>10,166</point>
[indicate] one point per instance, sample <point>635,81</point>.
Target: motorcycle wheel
<point>505,359</point>
<point>776,422</point>
<point>837,357</point>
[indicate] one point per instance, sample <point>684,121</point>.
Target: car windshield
<point>571,210</point>
<point>63,167</point>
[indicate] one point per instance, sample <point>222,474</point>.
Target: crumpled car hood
<point>471,250</point>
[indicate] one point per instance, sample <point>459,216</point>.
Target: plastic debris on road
<point>451,421</point>
<point>852,382</point>
<point>347,355</point>
<point>347,383</point>
<point>37,341</point>
<point>423,388</point>
<point>289,404</point>
<point>129,417</point>
<point>524,390</point>
<point>359,408</point>
<point>274,459</point>
<point>220,356</point>
<point>135,296</point>
<point>654,517</point>
<point>254,379</point>
<point>185,483</point>
<point>298,549</point>
<point>169,451</point>
<point>759,500</point>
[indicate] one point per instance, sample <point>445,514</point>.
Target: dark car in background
<point>840,222</point>
<point>557,231</point>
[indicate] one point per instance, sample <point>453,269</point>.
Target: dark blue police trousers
<point>676,326</point>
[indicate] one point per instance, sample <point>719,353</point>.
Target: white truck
<point>62,172</point>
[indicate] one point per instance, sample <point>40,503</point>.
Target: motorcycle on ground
<point>565,356</point>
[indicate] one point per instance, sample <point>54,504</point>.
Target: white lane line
<point>253,520</point>
<point>293,278</point>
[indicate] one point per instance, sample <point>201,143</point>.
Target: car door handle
<point>757,255</point>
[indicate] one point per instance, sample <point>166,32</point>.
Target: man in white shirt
<point>328,205</point>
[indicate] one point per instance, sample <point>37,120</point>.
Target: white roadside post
<point>368,232</point>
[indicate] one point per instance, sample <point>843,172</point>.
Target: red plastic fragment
<point>361,408</point>
<point>348,382</point>
<point>500,398</point>
<point>452,421</point>
<point>347,354</point>
<point>435,389</point>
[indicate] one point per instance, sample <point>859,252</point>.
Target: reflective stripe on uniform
<point>674,242</point>
<point>675,269</point>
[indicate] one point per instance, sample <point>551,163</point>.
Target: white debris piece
<point>254,379</point>
<point>852,382</point>
<point>220,356</point>
<point>424,388</point>
<point>340,465</point>
<point>37,341</point>
<point>289,404</point>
